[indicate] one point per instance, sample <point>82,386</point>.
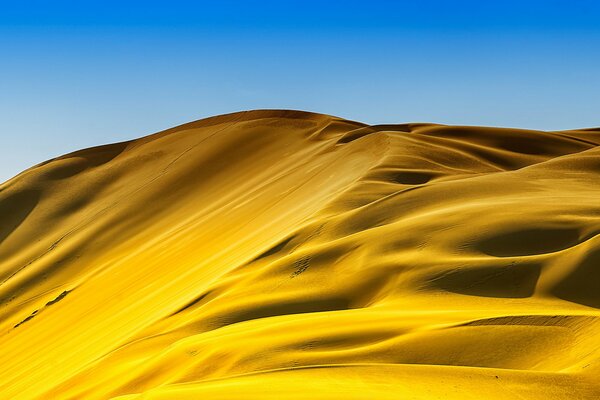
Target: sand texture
<point>291,255</point>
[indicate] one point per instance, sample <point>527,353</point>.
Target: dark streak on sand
<point>34,313</point>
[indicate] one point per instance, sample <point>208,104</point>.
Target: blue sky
<point>74,74</point>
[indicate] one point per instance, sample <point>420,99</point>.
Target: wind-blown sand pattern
<point>290,255</point>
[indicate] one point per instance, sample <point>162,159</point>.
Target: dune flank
<point>291,255</point>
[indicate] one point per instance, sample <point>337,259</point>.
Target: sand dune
<point>290,255</point>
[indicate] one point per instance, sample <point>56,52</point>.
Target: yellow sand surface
<point>291,255</point>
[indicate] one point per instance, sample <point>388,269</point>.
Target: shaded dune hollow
<point>290,255</point>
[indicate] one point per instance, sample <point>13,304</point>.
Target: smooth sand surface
<point>291,255</point>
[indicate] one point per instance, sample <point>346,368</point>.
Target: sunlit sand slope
<point>290,255</point>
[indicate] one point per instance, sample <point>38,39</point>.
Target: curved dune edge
<point>284,254</point>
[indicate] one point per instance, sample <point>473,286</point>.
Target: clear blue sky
<point>79,73</point>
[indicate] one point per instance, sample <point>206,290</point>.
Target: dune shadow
<point>14,209</point>
<point>412,177</point>
<point>274,250</point>
<point>510,281</point>
<point>259,311</point>
<point>87,158</point>
<point>526,242</point>
<point>582,285</point>
<point>192,303</point>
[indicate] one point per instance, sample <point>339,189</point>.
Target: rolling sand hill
<point>290,255</point>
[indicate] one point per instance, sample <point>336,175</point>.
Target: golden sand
<point>290,255</point>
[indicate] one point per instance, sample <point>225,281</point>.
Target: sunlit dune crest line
<point>291,255</point>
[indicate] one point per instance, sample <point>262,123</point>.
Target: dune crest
<point>284,254</point>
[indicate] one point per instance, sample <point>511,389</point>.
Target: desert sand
<point>291,255</point>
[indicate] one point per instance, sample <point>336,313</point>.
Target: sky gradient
<point>76,74</point>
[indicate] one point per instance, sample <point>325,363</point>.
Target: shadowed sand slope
<point>290,255</point>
